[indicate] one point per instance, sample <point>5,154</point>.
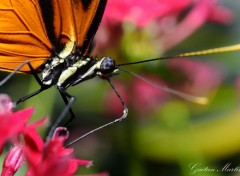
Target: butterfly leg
<point>17,69</point>
<point>68,100</point>
<point>64,96</point>
<point>124,115</point>
<point>42,86</point>
<point>35,76</point>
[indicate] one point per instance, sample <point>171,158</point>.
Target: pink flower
<point>142,12</point>
<point>146,97</point>
<point>11,123</point>
<point>13,161</point>
<point>201,77</point>
<point>202,12</point>
<point>171,21</point>
<point>43,158</point>
<point>6,104</point>
<point>139,95</point>
<point>50,158</point>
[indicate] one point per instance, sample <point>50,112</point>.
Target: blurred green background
<point>172,137</point>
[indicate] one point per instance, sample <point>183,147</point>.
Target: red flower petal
<point>50,158</point>
<point>13,123</point>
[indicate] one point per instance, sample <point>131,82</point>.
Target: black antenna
<point>189,54</point>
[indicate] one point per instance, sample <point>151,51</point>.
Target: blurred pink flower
<point>200,78</point>
<point>174,20</point>
<point>147,97</point>
<point>6,104</point>
<point>201,12</point>
<point>142,12</point>
<point>140,95</point>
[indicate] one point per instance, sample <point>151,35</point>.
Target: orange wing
<point>63,25</point>
<point>23,36</point>
<point>76,22</point>
<point>87,15</point>
<point>29,33</point>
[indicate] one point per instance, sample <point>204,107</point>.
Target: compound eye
<point>107,66</point>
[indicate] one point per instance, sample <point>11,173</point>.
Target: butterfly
<point>54,37</point>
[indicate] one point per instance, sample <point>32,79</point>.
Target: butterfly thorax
<point>76,69</point>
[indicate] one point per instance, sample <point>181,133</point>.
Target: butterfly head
<point>107,67</point>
